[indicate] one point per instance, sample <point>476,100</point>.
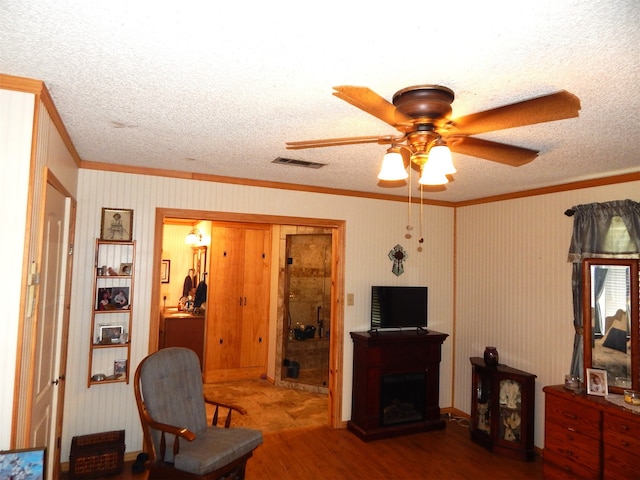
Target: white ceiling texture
<point>220,87</point>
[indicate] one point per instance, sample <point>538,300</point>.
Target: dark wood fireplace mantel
<point>384,354</point>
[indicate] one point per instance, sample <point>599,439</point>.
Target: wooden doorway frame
<point>338,228</point>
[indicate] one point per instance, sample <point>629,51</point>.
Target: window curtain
<point>600,275</point>
<point>592,237</point>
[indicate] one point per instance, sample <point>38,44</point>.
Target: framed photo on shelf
<point>165,271</point>
<point>125,269</point>
<point>597,382</point>
<point>120,298</point>
<point>110,334</point>
<point>29,462</point>
<point>120,367</point>
<point>116,224</point>
<point>103,299</point>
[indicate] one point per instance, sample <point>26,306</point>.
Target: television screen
<point>398,307</point>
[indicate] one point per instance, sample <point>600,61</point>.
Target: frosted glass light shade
<point>193,237</point>
<point>441,155</point>
<point>432,174</point>
<point>392,167</point>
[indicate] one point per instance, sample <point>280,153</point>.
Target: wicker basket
<point>96,455</point>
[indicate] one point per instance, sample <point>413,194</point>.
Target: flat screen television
<point>398,307</point>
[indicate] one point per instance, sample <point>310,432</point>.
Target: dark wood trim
<point>248,182</point>
<point>564,187</point>
<point>597,182</point>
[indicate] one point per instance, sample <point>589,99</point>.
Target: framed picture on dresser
<point>597,382</point>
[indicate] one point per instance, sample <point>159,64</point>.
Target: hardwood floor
<point>323,453</point>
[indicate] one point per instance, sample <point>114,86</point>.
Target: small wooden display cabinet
<point>111,312</point>
<point>502,409</point>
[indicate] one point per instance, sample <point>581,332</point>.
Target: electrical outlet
<point>350,299</point>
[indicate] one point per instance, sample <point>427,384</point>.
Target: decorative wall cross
<point>397,255</point>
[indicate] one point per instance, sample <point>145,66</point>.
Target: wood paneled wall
<point>514,286</point>
<point>511,286</point>
<point>16,126</point>
<point>373,228</point>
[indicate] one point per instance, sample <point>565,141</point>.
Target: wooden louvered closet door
<point>237,302</point>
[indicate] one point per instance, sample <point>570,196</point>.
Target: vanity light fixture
<point>194,237</point>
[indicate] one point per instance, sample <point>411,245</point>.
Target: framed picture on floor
<point>22,463</point>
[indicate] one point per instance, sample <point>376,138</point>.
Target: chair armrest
<point>164,428</point>
<point>229,406</point>
<point>172,429</point>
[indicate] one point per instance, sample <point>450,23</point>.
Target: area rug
<point>270,408</point>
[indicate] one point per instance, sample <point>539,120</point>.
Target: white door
<point>48,379</point>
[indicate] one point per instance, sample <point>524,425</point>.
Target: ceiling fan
<point>428,134</point>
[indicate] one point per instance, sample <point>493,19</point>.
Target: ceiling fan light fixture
<point>441,155</point>
<point>392,166</point>
<point>422,114</point>
<point>432,174</point>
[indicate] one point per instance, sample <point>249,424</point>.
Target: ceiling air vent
<point>298,163</point>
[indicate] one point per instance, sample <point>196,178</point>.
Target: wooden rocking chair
<point>180,444</point>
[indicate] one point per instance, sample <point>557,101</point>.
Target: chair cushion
<point>171,382</point>
<point>215,448</point>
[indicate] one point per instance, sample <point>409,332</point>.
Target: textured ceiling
<point>219,87</point>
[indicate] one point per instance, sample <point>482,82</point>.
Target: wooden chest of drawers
<point>572,439</point>
<point>589,437</point>
<point>621,446</point>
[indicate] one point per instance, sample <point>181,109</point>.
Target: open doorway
<point>336,228</point>
<point>306,309</point>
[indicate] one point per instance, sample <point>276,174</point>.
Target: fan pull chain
<point>409,226</point>
<point>421,239</point>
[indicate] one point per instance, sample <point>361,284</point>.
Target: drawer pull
<point>570,415</point>
<point>571,429</point>
<point>624,443</point>
<point>624,427</point>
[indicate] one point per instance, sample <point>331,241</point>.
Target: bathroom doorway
<point>307,310</point>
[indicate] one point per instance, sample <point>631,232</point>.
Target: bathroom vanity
<point>182,329</point>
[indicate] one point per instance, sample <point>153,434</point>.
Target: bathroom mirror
<point>610,317</point>
<point>199,264</point>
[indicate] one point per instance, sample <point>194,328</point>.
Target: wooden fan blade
<point>555,106</point>
<point>494,151</point>
<point>366,99</point>
<point>335,142</point>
